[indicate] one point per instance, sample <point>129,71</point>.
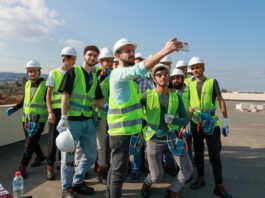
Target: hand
<point>172,45</point>
<point>63,123</point>
<point>106,107</point>
<point>168,118</point>
<point>188,129</point>
<point>10,111</point>
<point>51,118</point>
<point>225,127</point>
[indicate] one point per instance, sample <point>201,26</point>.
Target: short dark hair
<point>91,47</point>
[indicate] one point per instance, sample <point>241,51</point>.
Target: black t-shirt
<point>216,89</point>
<point>101,77</point>
<point>68,83</point>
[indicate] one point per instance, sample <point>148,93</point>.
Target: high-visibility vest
<point>56,95</point>
<point>152,112</point>
<point>80,101</point>
<point>125,118</point>
<point>104,85</point>
<point>205,103</point>
<point>186,98</point>
<point>37,104</point>
<point>187,80</point>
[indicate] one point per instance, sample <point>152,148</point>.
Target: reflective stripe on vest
<point>35,106</point>
<point>205,104</point>
<point>126,118</point>
<point>56,96</point>
<point>152,112</point>
<point>80,102</point>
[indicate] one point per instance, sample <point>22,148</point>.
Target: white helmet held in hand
<point>33,64</point>
<point>195,60</point>
<point>121,43</point>
<point>181,64</point>
<point>65,141</point>
<point>105,53</point>
<point>177,72</point>
<point>69,51</point>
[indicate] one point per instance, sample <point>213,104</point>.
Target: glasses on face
<point>159,75</point>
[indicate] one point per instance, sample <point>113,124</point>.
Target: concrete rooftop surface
<point>243,160</point>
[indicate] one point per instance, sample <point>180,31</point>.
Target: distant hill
<point>12,76</point>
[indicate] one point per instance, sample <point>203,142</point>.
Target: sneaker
<point>69,193</point>
<point>83,189</point>
<point>145,191</point>
<point>50,173</point>
<point>38,161</point>
<point>198,183</point>
<point>171,194</point>
<point>220,191</point>
<point>23,171</point>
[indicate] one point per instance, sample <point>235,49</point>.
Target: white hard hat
<point>176,72</point>
<point>139,56</point>
<point>181,63</point>
<point>189,70</point>
<point>150,56</point>
<point>158,66</point>
<point>69,51</point>
<point>105,53</point>
<point>122,42</point>
<point>166,59</point>
<point>195,60</point>
<point>33,63</point>
<point>65,141</point>
<point>115,60</point>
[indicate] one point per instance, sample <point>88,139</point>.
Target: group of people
<point>126,110</point>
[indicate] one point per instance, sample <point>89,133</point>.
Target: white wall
<point>11,127</point>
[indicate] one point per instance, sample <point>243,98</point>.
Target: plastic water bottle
<point>18,185</point>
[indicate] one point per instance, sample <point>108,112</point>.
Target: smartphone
<point>185,47</point>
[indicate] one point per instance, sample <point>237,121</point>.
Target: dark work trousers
<point>53,133</point>
<point>214,149</point>
<point>32,145</point>
<point>119,146</point>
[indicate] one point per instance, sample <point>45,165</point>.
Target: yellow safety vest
<point>56,95</point>
<point>104,85</point>
<point>37,104</point>
<point>205,103</point>
<point>80,101</point>
<point>125,118</point>
<point>152,112</point>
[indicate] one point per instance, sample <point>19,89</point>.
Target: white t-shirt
<point>50,80</point>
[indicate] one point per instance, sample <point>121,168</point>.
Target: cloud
<point>74,43</point>
<point>27,19</point>
<point>2,45</point>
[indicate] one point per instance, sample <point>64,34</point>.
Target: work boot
<point>171,194</point>
<point>50,173</point>
<point>145,191</point>
<point>69,193</point>
<point>38,160</point>
<point>198,183</point>
<point>23,171</point>
<point>83,189</point>
<point>221,192</point>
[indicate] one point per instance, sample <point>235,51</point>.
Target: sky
<point>228,35</point>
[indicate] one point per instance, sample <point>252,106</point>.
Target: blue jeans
<point>119,146</point>
<point>84,132</point>
<point>135,155</point>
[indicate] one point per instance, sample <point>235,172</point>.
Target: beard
<point>178,86</point>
